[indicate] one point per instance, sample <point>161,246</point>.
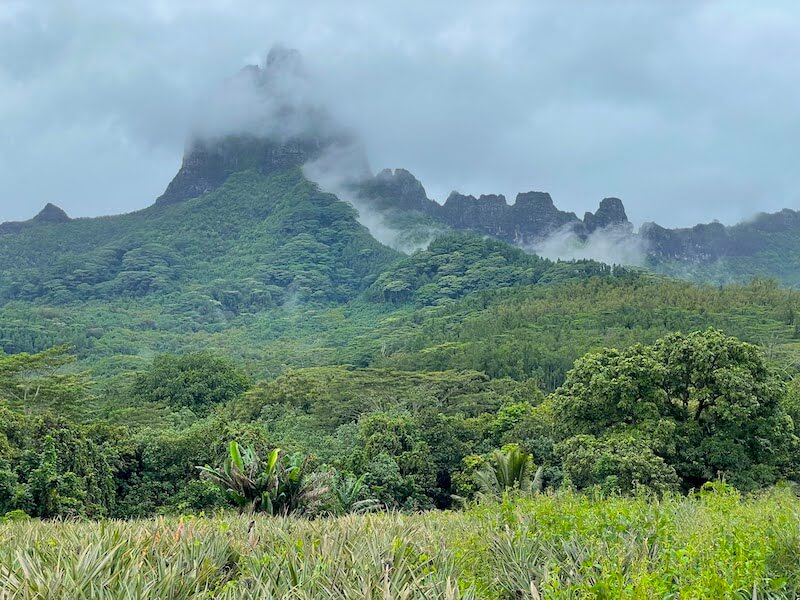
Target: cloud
<point>686,110</point>
<point>613,246</point>
<point>343,166</point>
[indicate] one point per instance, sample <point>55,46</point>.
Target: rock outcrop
<point>49,215</point>
<point>532,217</point>
<point>611,213</point>
<point>395,189</point>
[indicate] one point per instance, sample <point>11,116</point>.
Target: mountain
<point>532,217</point>
<point>268,119</point>
<point>768,245</point>
<point>249,303</point>
<point>265,237</point>
<point>244,252</point>
<point>238,219</point>
<point>264,118</point>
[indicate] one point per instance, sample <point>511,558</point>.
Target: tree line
<point>667,416</point>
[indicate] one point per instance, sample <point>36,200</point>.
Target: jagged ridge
<point>532,216</point>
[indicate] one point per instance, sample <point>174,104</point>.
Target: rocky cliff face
<point>208,163</point>
<point>713,241</point>
<point>395,190</point>
<point>532,217</point>
<point>611,213</point>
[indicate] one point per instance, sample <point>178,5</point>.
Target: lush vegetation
<point>671,416</point>
<point>714,544</point>
<point>255,349</point>
<point>256,242</point>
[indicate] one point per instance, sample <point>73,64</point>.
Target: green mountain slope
<point>398,378</point>
<point>121,285</point>
<point>277,276</point>
<point>256,241</point>
<point>405,370</point>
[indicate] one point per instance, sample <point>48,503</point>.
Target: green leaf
<point>236,457</point>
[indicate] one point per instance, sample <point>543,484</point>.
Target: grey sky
<point>687,110</point>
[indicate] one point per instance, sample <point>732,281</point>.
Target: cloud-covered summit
<point>267,117</point>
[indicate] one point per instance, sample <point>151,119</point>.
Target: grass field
<point>716,544</point>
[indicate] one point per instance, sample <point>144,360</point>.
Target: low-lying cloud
<point>611,245</point>
<point>339,171</point>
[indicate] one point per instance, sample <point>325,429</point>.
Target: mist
<point>338,171</point>
<point>612,245</point>
<point>275,99</point>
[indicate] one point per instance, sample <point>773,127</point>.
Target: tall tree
<point>705,402</point>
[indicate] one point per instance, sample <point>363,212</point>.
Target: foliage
<point>348,492</point>
<point>700,405</point>
<point>454,265</point>
<point>539,331</point>
<point>255,242</point>
<point>278,484</point>
<point>263,312</point>
<point>37,381</point>
<point>196,381</point>
<point>713,544</point>
<point>615,465</point>
<point>506,470</point>
<point>50,468</point>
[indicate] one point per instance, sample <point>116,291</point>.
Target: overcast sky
<point>687,110</point>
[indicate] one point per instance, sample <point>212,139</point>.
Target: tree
<point>348,495</point>
<point>508,469</point>
<point>397,461</point>
<point>706,403</point>
<point>55,492</point>
<point>615,464</point>
<point>37,381</point>
<point>197,381</point>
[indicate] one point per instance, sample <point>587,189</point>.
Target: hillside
<point>248,306</point>
<point>768,245</point>
<point>255,244</point>
<point>270,120</point>
<point>257,239</point>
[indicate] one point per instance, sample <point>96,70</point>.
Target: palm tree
<point>508,469</point>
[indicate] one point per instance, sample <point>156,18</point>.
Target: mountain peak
<point>51,214</point>
<point>610,213</point>
<point>268,118</point>
<point>285,59</point>
<point>396,189</point>
<point>535,201</point>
